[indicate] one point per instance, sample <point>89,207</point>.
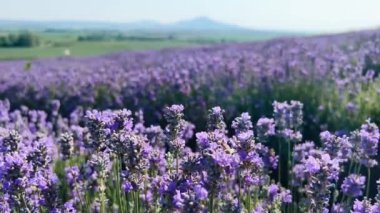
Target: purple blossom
<point>353,185</point>
<point>127,186</point>
<point>302,150</point>
<point>265,128</point>
<point>67,145</point>
<point>69,207</point>
<point>312,165</point>
<point>338,147</point>
<point>215,119</point>
<point>288,116</point>
<point>200,192</point>
<point>202,140</point>
<point>72,174</point>
<point>273,191</point>
<point>178,201</point>
<point>338,208</point>
<point>286,196</point>
<point>364,206</point>
<point>242,123</point>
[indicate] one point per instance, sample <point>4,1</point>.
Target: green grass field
<point>85,49</point>
<point>60,43</point>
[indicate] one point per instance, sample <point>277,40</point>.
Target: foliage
<point>23,39</point>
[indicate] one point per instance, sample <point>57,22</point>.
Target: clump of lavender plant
<point>288,119</point>
<point>319,172</point>
<point>126,167</point>
<point>174,117</point>
<point>365,142</point>
<point>98,169</point>
<point>14,174</point>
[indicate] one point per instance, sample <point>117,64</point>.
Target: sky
<point>294,15</point>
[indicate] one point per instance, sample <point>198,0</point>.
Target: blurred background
<point>52,28</point>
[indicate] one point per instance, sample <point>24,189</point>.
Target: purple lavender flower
<point>156,136</point>
<point>4,204</point>
<point>375,208</point>
<point>174,113</point>
<point>69,207</point>
<point>364,206</point>
<point>242,123</point>
<point>353,185</point>
<point>339,208</point>
<point>312,166</point>
<point>259,209</point>
<point>288,116</point>
<point>127,186</point>
<point>215,119</point>
<point>10,143</point>
<point>337,147</point>
<point>265,128</point>
<point>67,145</point>
<point>72,174</point>
<point>200,192</point>
<point>202,140</point>
<point>55,105</point>
<point>370,136</point>
<point>269,157</point>
<point>286,196</point>
<point>39,155</point>
<point>178,201</point>
<point>173,116</point>
<point>365,144</point>
<point>273,191</point>
<point>302,150</point>
<point>291,135</point>
<point>187,130</point>
<point>316,173</point>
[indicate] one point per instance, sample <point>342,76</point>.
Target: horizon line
<point>104,21</point>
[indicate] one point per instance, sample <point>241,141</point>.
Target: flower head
<point>353,185</point>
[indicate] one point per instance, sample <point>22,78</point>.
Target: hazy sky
<point>335,15</point>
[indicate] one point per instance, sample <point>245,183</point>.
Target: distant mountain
<point>204,23</point>
<point>200,23</point>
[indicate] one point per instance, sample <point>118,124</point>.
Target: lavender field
<point>287,125</point>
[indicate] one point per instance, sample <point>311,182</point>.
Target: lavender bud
<point>67,145</point>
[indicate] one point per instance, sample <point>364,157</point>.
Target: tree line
<point>22,39</point>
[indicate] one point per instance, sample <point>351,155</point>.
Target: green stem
<point>279,162</point>
<point>368,182</point>
<point>358,168</point>
<point>249,201</point>
<point>212,203</point>
<point>288,168</point>
<point>177,165</point>
<point>127,197</point>
<point>102,196</point>
<point>350,167</point>
<point>137,202</point>
<point>26,208</point>
<point>119,188</point>
<point>239,184</point>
